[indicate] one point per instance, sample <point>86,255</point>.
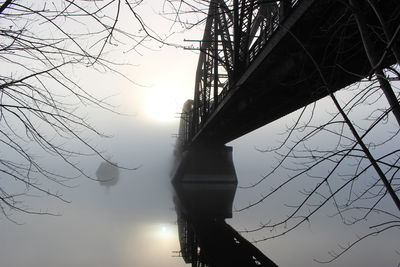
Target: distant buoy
<point>107,174</point>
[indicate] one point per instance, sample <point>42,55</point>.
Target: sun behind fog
<point>164,103</point>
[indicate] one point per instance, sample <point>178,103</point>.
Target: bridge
<point>259,61</point>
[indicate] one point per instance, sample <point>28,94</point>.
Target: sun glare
<point>164,103</point>
<point>165,232</point>
<point>162,232</point>
<point>156,240</point>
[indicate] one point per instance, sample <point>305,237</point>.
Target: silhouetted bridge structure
<point>259,61</point>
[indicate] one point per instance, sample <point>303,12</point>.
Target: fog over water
<point>132,223</point>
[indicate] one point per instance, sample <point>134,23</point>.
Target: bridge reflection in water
<point>205,185</point>
<point>259,61</point>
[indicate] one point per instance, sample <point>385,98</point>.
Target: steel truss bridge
<point>259,61</point>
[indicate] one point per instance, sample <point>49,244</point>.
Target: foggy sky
<point>133,224</point>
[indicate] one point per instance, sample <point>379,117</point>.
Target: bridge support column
<point>205,182</point>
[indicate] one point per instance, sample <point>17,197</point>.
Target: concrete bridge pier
<point>205,182</point>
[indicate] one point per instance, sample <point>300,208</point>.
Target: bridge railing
<point>277,16</point>
<point>265,34</point>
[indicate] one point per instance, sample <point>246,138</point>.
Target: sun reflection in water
<point>150,245</point>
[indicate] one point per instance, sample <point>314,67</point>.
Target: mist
<point>122,214</point>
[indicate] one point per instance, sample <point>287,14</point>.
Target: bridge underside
<point>283,78</point>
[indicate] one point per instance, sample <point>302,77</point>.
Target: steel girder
<point>234,34</point>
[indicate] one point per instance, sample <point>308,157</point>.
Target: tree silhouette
<point>41,43</point>
<point>347,160</point>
